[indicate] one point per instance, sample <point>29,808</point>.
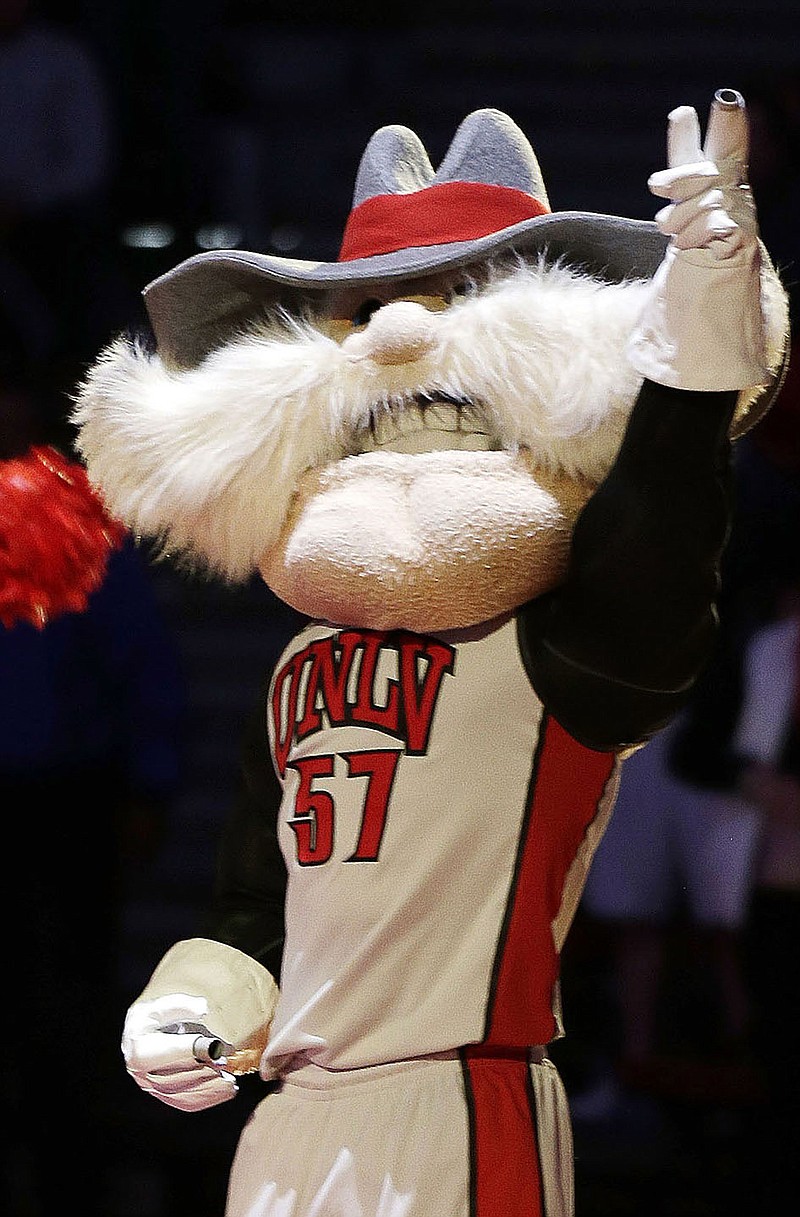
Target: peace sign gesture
<point>711,206</point>
<point>715,317</point>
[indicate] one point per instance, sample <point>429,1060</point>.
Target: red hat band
<point>436,215</point>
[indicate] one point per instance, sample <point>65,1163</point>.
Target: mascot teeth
<point>429,423</point>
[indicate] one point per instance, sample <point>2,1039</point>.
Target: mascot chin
<point>486,454</point>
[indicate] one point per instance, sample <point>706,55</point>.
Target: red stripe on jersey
<point>506,1174</point>
<point>567,785</point>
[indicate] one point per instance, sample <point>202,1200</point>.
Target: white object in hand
<point>163,1063</point>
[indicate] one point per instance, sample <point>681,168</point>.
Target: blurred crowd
<point>691,917</point>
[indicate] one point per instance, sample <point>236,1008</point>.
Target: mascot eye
<point>365,311</point>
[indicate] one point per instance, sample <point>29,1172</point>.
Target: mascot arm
<point>614,651</point>
<point>248,906</point>
<point>221,985</point>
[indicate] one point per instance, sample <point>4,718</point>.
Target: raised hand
<point>703,327</point>
<point>711,205</point>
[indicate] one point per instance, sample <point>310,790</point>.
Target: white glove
<point>702,327</point>
<point>203,983</point>
<point>164,1064</point>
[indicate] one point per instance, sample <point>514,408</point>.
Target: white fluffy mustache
<point>205,461</point>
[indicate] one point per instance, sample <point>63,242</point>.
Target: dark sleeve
<point>250,887</point>
<point>614,651</point>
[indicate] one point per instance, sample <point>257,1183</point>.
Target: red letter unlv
<point>341,689</point>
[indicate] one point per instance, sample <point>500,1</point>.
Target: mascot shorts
<point>454,1135</point>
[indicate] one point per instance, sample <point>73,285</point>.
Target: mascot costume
<point>485,453</point>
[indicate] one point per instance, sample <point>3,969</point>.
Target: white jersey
<point>437,826</point>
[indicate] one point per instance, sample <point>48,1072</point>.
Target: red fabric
<point>506,1170</point>
<point>437,215</point>
<point>566,789</point>
<point>55,537</point>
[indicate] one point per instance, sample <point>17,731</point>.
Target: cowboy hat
<point>486,199</point>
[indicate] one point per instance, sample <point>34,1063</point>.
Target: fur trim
<point>206,460</point>
<point>754,401</point>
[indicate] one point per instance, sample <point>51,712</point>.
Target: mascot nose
<point>400,332</point>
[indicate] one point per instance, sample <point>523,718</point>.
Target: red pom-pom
<point>55,537</point>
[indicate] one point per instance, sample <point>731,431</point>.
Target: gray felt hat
<point>487,198</point>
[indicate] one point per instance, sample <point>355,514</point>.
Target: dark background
<point>243,123</point>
